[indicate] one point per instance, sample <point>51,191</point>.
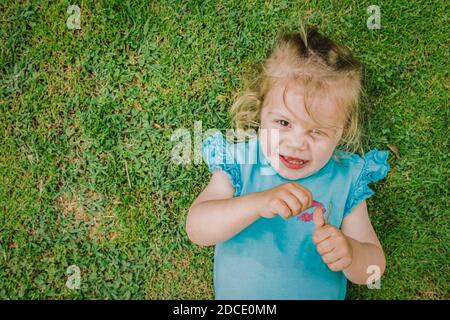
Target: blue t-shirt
<point>276,258</point>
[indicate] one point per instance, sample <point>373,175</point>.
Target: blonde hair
<point>319,65</point>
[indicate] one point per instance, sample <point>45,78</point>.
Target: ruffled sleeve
<point>218,153</point>
<point>374,168</point>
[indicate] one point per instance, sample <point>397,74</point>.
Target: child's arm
<point>216,215</point>
<point>353,248</point>
<point>365,245</point>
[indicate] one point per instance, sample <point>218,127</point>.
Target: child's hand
<point>331,244</point>
<point>286,200</point>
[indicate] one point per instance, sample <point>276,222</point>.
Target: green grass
<point>80,108</point>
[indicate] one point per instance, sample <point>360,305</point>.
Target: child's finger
<point>323,233</point>
<point>330,257</point>
<point>339,265</point>
<point>283,209</point>
<point>304,194</point>
<point>318,218</point>
<point>302,199</point>
<point>325,247</point>
<point>292,202</point>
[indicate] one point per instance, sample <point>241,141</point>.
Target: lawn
<point>86,176</point>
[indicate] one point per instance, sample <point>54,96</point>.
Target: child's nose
<point>298,140</point>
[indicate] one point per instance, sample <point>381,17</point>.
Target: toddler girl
<point>286,209</point>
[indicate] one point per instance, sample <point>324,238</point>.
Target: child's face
<point>300,138</point>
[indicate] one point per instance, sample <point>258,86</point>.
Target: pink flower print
<point>307,217</point>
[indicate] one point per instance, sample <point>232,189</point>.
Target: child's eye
<point>318,132</point>
<point>284,123</point>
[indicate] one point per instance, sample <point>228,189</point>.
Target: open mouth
<point>293,163</point>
